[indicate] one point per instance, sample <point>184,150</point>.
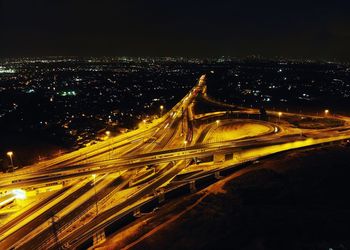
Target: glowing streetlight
<point>10,154</point>
<point>108,133</point>
<point>217,122</point>
<point>161,110</point>
<point>94,176</point>
<point>279,116</point>
<point>185,143</point>
<point>326,112</point>
<point>19,194</point>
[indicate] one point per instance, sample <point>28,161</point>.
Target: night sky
<point>293,29</point>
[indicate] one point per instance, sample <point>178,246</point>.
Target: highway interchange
<point>104,181</point>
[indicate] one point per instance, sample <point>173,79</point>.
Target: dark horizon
<point>203,59</point>
<point>296,30</point>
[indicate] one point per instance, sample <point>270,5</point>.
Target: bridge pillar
<point>193,186</point>
<point>219,158</point>
<point>99,237</point>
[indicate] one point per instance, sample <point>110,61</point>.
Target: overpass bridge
<point>219,151</point>
<point>149,146</point>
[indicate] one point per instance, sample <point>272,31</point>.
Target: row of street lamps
<point>10,153</point>
<point>326,112</point>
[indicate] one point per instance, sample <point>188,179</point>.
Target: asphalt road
<point>12,239</point>
<point>103,219</point>
<point>37,241</point>
<point>34,208</point>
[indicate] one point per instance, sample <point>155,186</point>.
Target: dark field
<point>294,201</point>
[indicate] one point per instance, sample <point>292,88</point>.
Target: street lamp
<point>279,116</point>
<point>108,133</point>
<point>161,110</point>
<point>10,154</point>
<point>326,112</point>
<point>19,194</point>
<point>94,176</point>
<point>217,123</point>
<point>185,143</point>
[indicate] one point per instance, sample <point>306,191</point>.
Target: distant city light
<point>7,71</point>
<point>68,93</point>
